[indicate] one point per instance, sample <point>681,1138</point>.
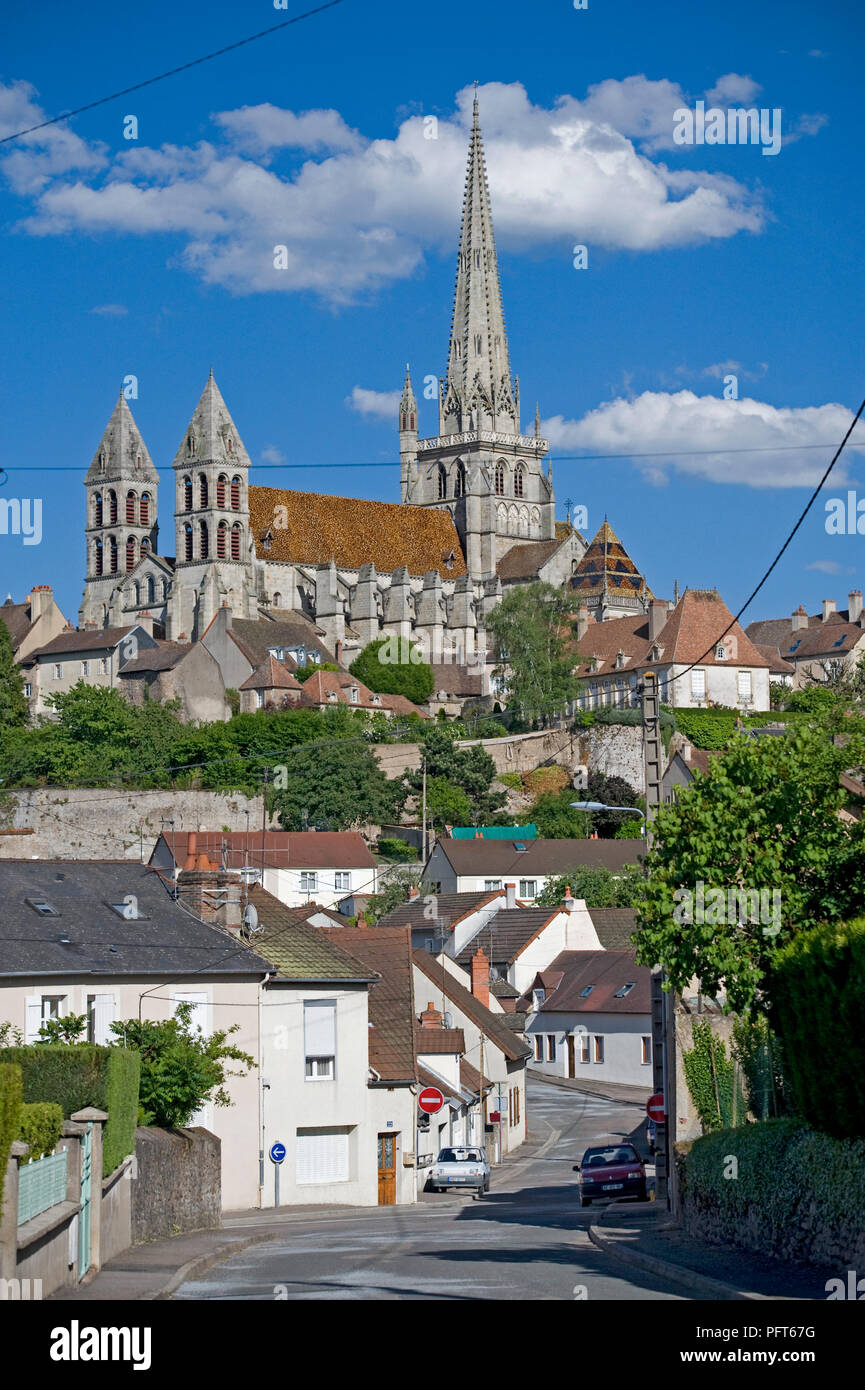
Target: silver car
<point>460,1166</point>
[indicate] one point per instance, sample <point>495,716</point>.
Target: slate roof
<point>254,636</point>
<point>499,859</point>
<point>507,934</point>
<point>300,951</point>
<point>494,1026</point>
<point>85,640</point>
<point>166,941</point>
<point>454,679</point>
<point>163,657</point>
<point>606,972</point>
<point>278,849</point>
<point>450,908</point>
<point>315,528</point>
<point>615,926</point>
<point>18,620</point>
<point>387,951</point>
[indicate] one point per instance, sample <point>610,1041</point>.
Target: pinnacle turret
<point>122,453</point>
<point>211,436</point>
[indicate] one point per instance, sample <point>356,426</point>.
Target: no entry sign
<point>430,1100</point>
<point>655,1108</point>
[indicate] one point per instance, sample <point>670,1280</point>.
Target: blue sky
<point>154,257</point>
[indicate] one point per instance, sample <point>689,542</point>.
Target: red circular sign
<point>655,1108</point>
<point>430,1100</point>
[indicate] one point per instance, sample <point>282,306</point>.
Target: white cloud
<point>664,424</point>
<point>267,128</point>
<point>270,454</point>
<point>733,88</point>
<point>383,405</point>
<point>44,156</point>
<point>830,567</point>
<point>110,311</point>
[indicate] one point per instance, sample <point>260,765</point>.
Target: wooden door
<point>572,1070</point>
<point>387,1170</point>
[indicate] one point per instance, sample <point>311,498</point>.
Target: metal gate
<point>84,1213</point>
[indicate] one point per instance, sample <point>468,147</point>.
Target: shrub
<point>392,847</point>
<point>394,666</point>
<point>40,1126</point>
<point>122,1084</point>
<point>510,779</point>
<point>712,1079</point>
<point>817,987</point>
<point>759,1054</point>
<point>10,1107</point>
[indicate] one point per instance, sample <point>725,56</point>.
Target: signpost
<point>430,1100</point>
<point>277,1154</point>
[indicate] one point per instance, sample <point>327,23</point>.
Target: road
<point>526,1240</point>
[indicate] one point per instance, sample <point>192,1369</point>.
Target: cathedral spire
<point>479,392</point>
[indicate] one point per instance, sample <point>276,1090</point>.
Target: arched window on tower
<point>500,480</point>
<point>97,509</point>
<point>202,490</point>
<point>145,509</point>
<point>519,474</point>
<point>443,481</point>
<point>187,494</point>
<point>112,554</point>
<point>112,508</point>
<point>460,481</point>
<point>130,508</point>
<point>145,546</point>
<point>235,494</point>
<point>130,553</point>
<point>203,541</point>
<point>235,540</point>
<point>165,591</point>
<point>187,541</point>
<point>97,557</point>
<point>221,545</point>
<point>220,490</point>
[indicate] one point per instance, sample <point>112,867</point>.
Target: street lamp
<point>602,806</point>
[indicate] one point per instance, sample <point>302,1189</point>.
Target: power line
<point>172,72</point>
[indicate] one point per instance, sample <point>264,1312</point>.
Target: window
<point>187,494</point>
<point>518,480</point>
<point>28,689</point>
<point>52,1006</point>
<point>235,541</point>
<point>500,480</point>
<point>235,494</point>
<point>202,490</point>
<point>625,989</point>
<point>551,1047</point>
<point>187,541</point>
<point>130,553</point>
<point>112,554</point>
<point>538,997</point>
<point>97,509</point>
<point>491,884</point>
<point>144,509</point>
<point>528,887</point>
<point>58,671</point>
<point>698,683</point>
<point>584,994</point>
<point>97,557</point>
<point>220,490</point>
<point>342,882</point>
<point>539,1047</point>
<point>584,1047</point>
<point>130,508</point>
<point>442,481</point>
<point>85,668</point>
<point>103,666</point>
<point>460,481</point>
<point>203,541</point>
<point>598,1049</point>
<point>743,683</point>
<point>319,1033</point>
<point>221,533</point>
<point>322,1155</point>
<point>354,694</point>
<point>112,508</point>
<point>646,1050</point>
<point>309,882</point>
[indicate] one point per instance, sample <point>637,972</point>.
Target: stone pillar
<point>9,1215</point>
<point>364,615</point>
<point>95,1119</point>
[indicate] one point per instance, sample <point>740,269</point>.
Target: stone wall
<point>614,749</point>
<point>178,1182</point>
<point>85,823</point>
<point>515,753</point>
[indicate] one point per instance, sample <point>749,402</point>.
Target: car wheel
<point>642,1195</point>
<point>586,1201</point>
<point>487,1185</point>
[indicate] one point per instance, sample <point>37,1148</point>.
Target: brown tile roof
<point>432,1078</point>
<point>470,1078</point>
<point>456,680</point>
<point>448,909</point>
<point>832,638</point>
<point>354,532</point>
<point>493,1026</point>
<point>607,567</point>
<point>499,859</point>
<point>271,675</point>
<point>161,658</point>
<point>606,972</point>
<point>524,561</point>
<point>430,1041</point>
<point>387,951</point>
<point>691,628</point>
<point>17,618</point>
<point>281,849</point>
<point>334,687</point>
<point>507,934</point>
<point>777,665</point>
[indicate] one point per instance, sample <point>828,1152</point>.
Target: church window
<point>229,444</point>
<point>112,508</point>
<point>277,600</point>
<point>478,259</point>
<point>145,546</point>
<point>443,481</point>
<point>144,512</point>
<point>164,590</point>
<point>203,541</point>
<point>411,420</point>
<point>112,554</point>
<point>136,589</point>
<point>235,494</point>
<point>460,481</point>
<point>519,475</point>
<point>97,557</point>
<point>130,553</point>
<point>221,531</point>
<point>102,462</point>
<point>500,479</point>
<point>130,508</point>
<point>190,443</point>
<point>187,542</point>
<point>187,494</point>
<point>220,490</point>
<point>235,541</point>
<point>97,509</point>
<point>202,490</point>
<point>479,344</point>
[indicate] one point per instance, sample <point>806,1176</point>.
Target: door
<point>84,1211</point>
<point>387,1170</point>
<point>572,1070</point>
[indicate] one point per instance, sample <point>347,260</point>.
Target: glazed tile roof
<point>606,972</point>
<point>354,532</point>
<point>387,951</point>
<point>607,567</point>
<point>494,1026</point>
<point>299,951</point>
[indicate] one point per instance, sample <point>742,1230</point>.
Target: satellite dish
<point>250,919</point>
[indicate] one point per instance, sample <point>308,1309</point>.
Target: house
<point>695,665</point>
<point>519,941</point>
<point>685,760</point>
<point>94,656</point>
<point>475,866</point>
<point>297,867</point>
<point>457,684</point>
<point>325,688</point>
<point>177,671</point>
<point>492,1048</point>
<point>816,646</point>
<point>271,686</point>
<point>590,1017</point>
<point>240,646</point>
<point>441,1061</point>
<point>110,940</point>
<point>33,623</point>
<point>444,921</point>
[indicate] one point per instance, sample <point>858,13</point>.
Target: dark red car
<point>611,1170</point>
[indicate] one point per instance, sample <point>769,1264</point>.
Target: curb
<point>677,1274</point>
<point>202,1263</point>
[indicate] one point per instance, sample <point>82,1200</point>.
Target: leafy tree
<point>303,673</point>
<point>180,1067</point>
<point>394,666</point>
<point>612,791</point>
<point>596,885</point>
<point>763,818</point>
<point>67,1029</point>
<point>529,628</point>
<point>391,894</point>
<point>556,819</point>
<point>337,784</point>
<point>14,710</point>
<point>446,804</point>
<point>469,770</point>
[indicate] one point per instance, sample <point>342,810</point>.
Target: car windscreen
<point>615,1153</point>
<point>459,1156</point>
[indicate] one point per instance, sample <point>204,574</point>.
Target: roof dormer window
<point>43,907</point>
<point>626,989</point>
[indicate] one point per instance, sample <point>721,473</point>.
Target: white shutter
<point>698,684</point>
<point>744,685</point>
<point>322,1156</point>
<point>199,1018</point>
<point>33,1018</point>
<point>103,1015</point>
<point>319,1027</point>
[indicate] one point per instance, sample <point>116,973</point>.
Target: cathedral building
<point>476,512</point>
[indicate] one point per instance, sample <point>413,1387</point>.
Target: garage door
<point>322,1155</point>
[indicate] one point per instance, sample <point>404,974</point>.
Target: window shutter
<point>198,1000</point>
<point>319,1027</point>
<point>103,1015</point>
<point>33,1018</point>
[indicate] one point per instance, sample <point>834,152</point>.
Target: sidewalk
<point>605,1090</point>
<point>156,1269</point>
<point>641,1236</point>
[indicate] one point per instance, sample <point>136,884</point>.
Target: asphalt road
<point>526,1240</point>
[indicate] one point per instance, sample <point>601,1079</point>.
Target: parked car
<point>459,1167</point>
<point>611,1170</point>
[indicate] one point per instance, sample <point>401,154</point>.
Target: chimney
<point>510,896</point>
<point>657,618</point>
<point>800,619</point>
<point>854,601</point>
<point>413,893</point>
<point>828,608</point>
<point>569,902</point>
<point>145,620</point>
<point>361,921</point>
<point>40,600</point>
<point>225,617</point>
<point>582,622</point>
<point>481,978</point>
<point>686,752</point>
<point>191,852</point>
<point>431,1018</point>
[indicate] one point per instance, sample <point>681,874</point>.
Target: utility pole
<point>423,812</point>
<point>651,705</point>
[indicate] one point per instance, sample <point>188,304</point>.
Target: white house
<point>590,1017</point>
<point>520,941</point>
<point>444,920</point>
<point>486,866</point>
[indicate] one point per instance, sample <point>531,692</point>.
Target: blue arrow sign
<point>277,1152</point>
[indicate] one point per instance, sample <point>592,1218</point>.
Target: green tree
<point>764,817</point>
<point>339,785</point>
<point>596,885</point>
<point>393,892</point>
<point>556,819</point>
<point>181,1068</point>
<point>469,770</point>
<point>393,666</point>
<point>446,804</point>
<point>612,791</point>
<point>67,1029</point>
<point>14,709</point>
<point>529,628</point>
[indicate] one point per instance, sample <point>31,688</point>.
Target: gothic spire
<point>408,405</point>
<point>211,435</point>
<point>122,453</point>
<point>479,392</point>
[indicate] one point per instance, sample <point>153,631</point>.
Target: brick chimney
<point>854,605</point>
<point>800,619</point>
<point>145,620</point>
<point>191,852</point>
<point>481,977</point>
<point>686,752</point>
<point>431,1018</point>
<point>510,896</point>
<point>828,608</point>
<point>657,618</point>
<point>413,893</point>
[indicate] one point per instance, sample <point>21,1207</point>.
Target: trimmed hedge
<point>74,1076</point>
<point>817,987</point>
<point>40,1126</point>
<point>10,1108</point>
<point>713,728</point>
<point>796,1194</point>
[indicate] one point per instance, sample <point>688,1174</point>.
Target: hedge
<point>817,986</point>
<point>81,1074</point>
<point>40,1126</point>
<point>793,1192</point>
<point>713,728</point>
<point>10,1106</point>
